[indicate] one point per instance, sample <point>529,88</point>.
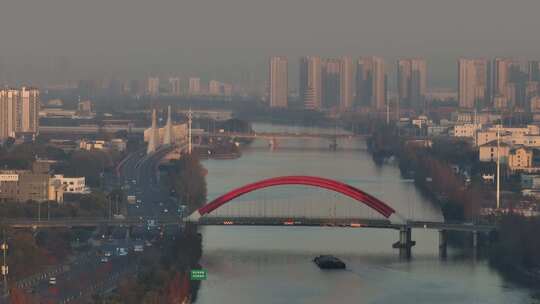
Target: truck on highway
<point>132,199</point>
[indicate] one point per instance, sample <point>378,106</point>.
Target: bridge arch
<point>319,182</point>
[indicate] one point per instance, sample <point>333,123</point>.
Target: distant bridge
<point>283,135</point>
<point>391,219</point>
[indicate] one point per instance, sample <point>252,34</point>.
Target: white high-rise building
<point>278,78</point>
<point>472,82</point>
<point>194,86</point>
<point>19,112</point>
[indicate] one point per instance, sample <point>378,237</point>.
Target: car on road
<point>52,281</point>
<point>121,251</point>
<point>107,254</point>
<point>104,260</point>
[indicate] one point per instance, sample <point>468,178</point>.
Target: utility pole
<point>4,264</point>
<point>498,167</point>
<point>387,113</point>
<point>190,120</point>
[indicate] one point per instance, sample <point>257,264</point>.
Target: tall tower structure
<point>472,82</point>
<point>175,86</point>
<point>346,83</point>
<point>534,70</point>
<point>152,86</point>
<point>154,135</point>
<point>371,82</point>
<point>19,112</point>
<point>311,82</point>
<point>330,82</point>
<point>278,82</point>
<point>167,137</point>
<point>412,82</point>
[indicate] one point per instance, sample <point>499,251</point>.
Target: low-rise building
<point>517,131</point>
<point>437,130</point>
<point>488,152</point>
<point>118,144</point>
<point>26,185</point>
<point>524,159</point>
<point>485,136</point>
<point>529,181</point>
<point>73,184</point>
<point>531,141</point>
<point>466,130</point>
<point>91,144</point>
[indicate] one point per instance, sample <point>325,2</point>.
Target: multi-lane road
<point>139,177</point>
<point>99,269</point>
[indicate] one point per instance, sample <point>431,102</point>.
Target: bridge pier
<point>405,242</point>
<point>272,143</point>
<point>443,243</point>
<point>475,239</point>
<point>333,144</point>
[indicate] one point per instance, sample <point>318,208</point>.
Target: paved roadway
<point>138,176</point>
<point>90,273</point>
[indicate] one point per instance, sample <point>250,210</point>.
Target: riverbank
<point>432,164</point>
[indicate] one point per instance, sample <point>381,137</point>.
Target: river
<point>273,264</point>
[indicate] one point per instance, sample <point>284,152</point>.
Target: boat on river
<point>329,262</point>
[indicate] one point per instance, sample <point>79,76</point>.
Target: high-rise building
<point>175,86</point>
<point>215,87</point>
<point>347,79</point>
<point>278,78</point>
<point>411,82</point>
<point>501,76</point>
<point>194,86</point>
<point>19,112</point>
<point>534,70</point>
<point>472,82</point>
<point>311,82</point>
<point>371,82</point>
<point>330,77</point>
<point>152,86</point>
<point>227,89</point>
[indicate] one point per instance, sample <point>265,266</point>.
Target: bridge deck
<point>246,221</point>
<point>344,222</point>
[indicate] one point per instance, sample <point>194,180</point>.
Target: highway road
<point>92,272</point>
<point>139,178</point>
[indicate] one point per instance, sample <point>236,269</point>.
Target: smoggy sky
<point>231,39</point>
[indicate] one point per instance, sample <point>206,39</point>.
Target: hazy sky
<point>231,38</point>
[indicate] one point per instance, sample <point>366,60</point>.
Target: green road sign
<point>198,274</point>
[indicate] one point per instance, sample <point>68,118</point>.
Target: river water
<point>273,264</point>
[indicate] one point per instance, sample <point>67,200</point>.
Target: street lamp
<point>5,268</point>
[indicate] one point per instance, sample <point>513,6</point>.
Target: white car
<point>52,281</point>
<point>104,259</point>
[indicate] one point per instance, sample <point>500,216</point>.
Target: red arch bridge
<point>390,218</point>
